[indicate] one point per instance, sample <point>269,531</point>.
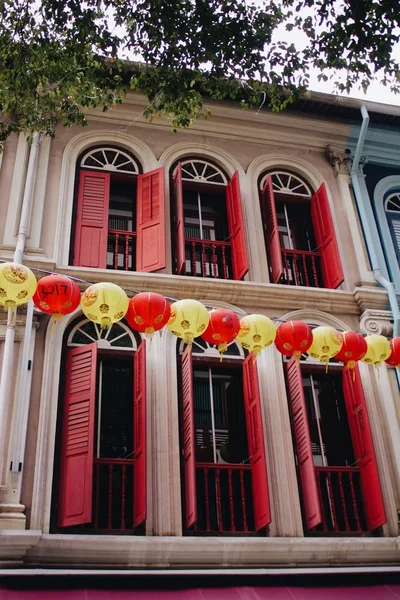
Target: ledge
<point>247,295</point>
<point>120,552</point>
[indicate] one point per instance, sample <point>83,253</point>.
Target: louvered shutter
<point>363,449</point>
<point>90,249</point>
<point>325,238</point>
<point>139,436</point>
<point>189,438</point>
<point>271,230</point>
<point>236,228</point>
<point>394,224</point>
<point>76,476</point>
<point>255,439</point>
<point>150,219</point>
<point>311,502</point>
<point>180,221</point>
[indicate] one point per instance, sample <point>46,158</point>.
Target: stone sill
<point>32,549</point>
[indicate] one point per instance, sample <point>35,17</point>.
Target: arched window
<point>119,213</point>
<point>299,233</point>
<point>338,474</point>
<point>207,219</point>
<point>101,483</point>
<point>392,210</point>
<point>225,474</point>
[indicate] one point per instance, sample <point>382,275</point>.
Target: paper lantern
<point>326,343</point>
<point>293,338</point>
<point>148,312</point>
<point>104,303</point>
<point>256,333</point>
<point>353,349</point>
<point>378,350</point>
<point>188,320</point>
<point>394,358</point>
<point>57,295</point>
<point>222,329</point>
<point>17,285</point>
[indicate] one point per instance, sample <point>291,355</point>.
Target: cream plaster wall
<point>6,171</point>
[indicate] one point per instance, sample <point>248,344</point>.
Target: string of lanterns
<point>107,303</point>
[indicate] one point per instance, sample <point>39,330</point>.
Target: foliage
<point>60,57</point>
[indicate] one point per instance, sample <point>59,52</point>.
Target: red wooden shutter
<point>325,237</point>
<point>363,449</point>
<point>150,219</point>
<point>76,477</point>
<point>139,437</point>
<point>180,222</point>
<point>255,437</point>
<point>91,229</point>
<point>272,231</point>
<point>189,438</point>
<point>236,228</point>
<point>312,507</point>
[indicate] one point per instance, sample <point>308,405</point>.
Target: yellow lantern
<point>17,285</point>
<point>104,303</point>
<point>378,350</point>
<point>256,333</point>
<point>188,320</point>
<point>326,343</point>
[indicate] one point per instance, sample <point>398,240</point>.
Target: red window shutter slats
<point>325,238</point>
<point>236,228</point>
<point>150,219</point>
<point>363,449</point>
<point>76,474</point>
<point>311,502</point>
<point>90,249</point>
<point>272,231</point>
<point>139,436</point>
<point>180,221</point>
<point>255,437</point>
<point>188,438</point>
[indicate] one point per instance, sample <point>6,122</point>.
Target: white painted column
<point>254,231</point>
<point>366,275</point>
<point>36,219</point>
<point>376,387</point>
<point>164,487</point>
<point>16,192</point>
<point>282,479</point>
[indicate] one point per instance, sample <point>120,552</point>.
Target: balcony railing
<point>121,250</point>
<point>112,495</point>
<point>224,498</point>
<point>341,500</point>
<point>301,268</point>
<point>208,258</point>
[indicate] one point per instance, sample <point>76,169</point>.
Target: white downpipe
<point>388,285</point>
<point>8,354</point>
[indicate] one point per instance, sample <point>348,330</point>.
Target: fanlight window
<point>287,183</point>
<point>202,348</point>
<point>117,336</point>
<point>110,159</point>
<point>202,172</point>
<point>392,203</point>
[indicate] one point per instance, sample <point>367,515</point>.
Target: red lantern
<point>353,349</point>
<point>57,295</point>
<point>148,312</point>
<point>293,338</point>
<point>394,358</point>
<point>222,329</point>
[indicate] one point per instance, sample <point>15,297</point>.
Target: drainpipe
<point>8,353</point>
<point>388,285</point>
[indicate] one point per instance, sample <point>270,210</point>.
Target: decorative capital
<point>376,322</point>
<point>339,160</point>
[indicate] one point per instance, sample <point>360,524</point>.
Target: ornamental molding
<point>376,322</point>
<point>339,160</point>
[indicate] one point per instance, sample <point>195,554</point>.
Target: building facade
<point>174,459</point>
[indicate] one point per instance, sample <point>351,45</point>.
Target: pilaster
<point>16,191</point>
